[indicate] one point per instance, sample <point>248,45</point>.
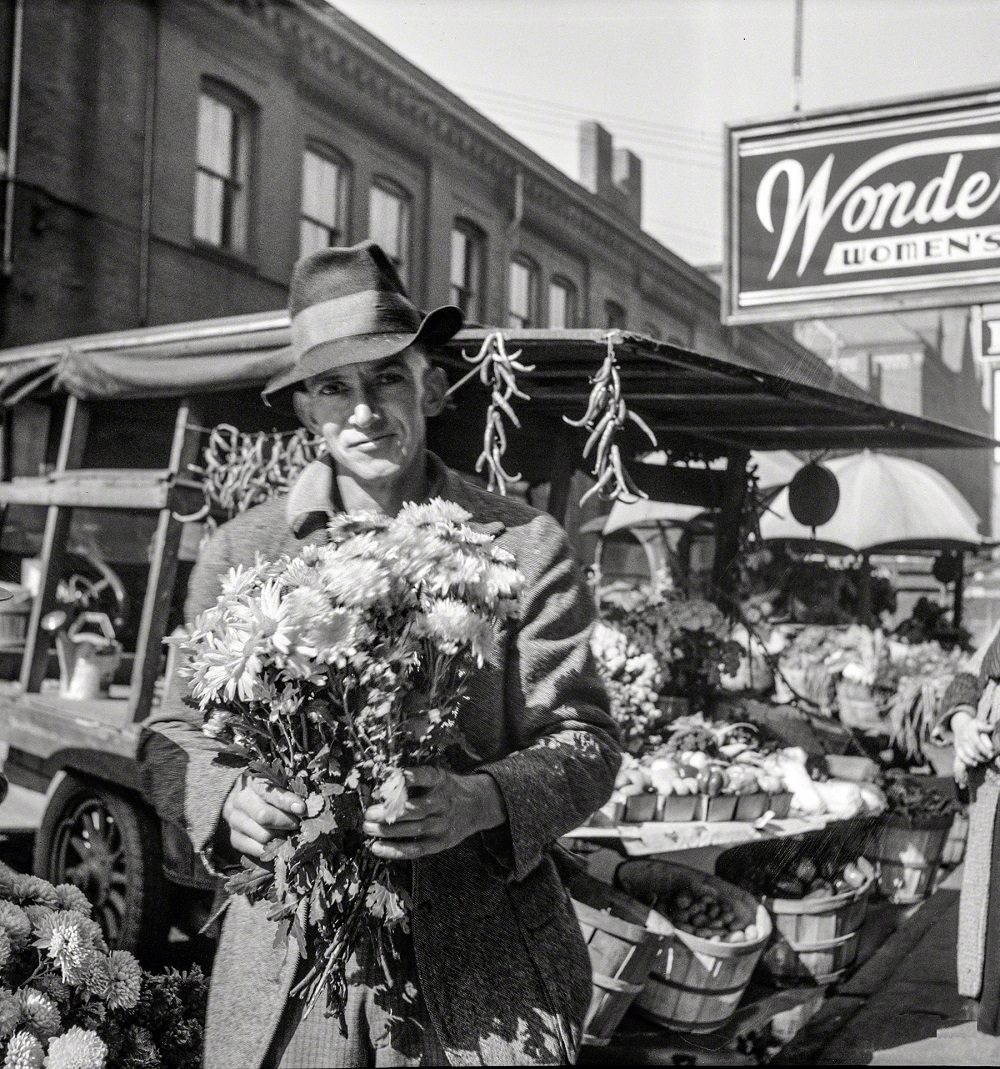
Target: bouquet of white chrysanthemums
<point>69,1002</point>
<point>331,672</point>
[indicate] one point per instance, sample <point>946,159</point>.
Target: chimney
<point>612,174</point>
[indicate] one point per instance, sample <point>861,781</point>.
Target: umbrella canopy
<point>774,468</point>
<point>887,503</point>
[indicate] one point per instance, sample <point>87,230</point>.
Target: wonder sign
<point>866,210</point>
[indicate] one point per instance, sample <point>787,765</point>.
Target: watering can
<point>89,655</point>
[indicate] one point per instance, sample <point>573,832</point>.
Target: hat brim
<point>436,328</point>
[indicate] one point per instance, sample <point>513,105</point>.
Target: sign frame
<point>976,284</point>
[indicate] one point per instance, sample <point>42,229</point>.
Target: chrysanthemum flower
<point>67,938</point>
<point>5,947</point>
<point>78,1048</point>
<point>24,1051</point>
<point>39,1012</point>
<point>11,1012</point>
<point>126,980</point>
<point>430,512</point>
<point>357,584</point>
<point>33,890</point>
<point>71,897</point>
<point>38,914</point>
<point>53,986</point>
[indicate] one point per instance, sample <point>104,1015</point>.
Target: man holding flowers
<point>491,967</point>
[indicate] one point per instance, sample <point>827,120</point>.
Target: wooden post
<point>562,467</point>
<point>57,520</point>
<point>162,570</point>
<point>865,591</point>
<point>956,614</point>
<point>727,531</point>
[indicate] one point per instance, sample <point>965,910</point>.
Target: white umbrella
<point>886,502</point>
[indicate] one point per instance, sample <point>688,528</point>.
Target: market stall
<point>573,412</point>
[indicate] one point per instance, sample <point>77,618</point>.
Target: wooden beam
<point>162,569</point>
<point>685,486</point>
<point>57,520</point>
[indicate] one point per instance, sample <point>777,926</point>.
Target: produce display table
<point>660,837</point>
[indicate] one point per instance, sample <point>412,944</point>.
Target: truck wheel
<point>108,846</point>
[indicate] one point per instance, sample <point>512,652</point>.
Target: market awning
<point>692,400</point>
<point>712,404</point>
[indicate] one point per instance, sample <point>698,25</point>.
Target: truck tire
<point>108,845</point>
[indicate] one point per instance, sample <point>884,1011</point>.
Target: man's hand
<point>257,812</point>
<point>973,742</point>
<point>441,810</point>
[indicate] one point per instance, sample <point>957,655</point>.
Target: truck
<point>103,508</point>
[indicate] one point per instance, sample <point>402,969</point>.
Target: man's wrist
<point>491,807</point>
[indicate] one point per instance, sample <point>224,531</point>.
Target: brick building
<point>171,159</point>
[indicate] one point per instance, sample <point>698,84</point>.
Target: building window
<point>467,244</point>
<point>614,315</point>
<point>220,195</point>
<point>901,381</point>
<point>389,224</point>
<point>523,299</point>
<point>324,201</point>
<point>562,303</point>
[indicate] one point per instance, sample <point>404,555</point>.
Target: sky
<point>665,76</point>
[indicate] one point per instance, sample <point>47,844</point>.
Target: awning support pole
<point>956,614</point>
<point>727,531</point>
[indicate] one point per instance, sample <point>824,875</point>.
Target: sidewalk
<point>902,1006</point>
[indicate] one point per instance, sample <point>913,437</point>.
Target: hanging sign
<point>864,210</point>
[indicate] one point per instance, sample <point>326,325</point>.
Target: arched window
<point>522,298</point>
<point>614,315</point>
<point>389,222</point>
<point>468,244</point>
<point>221,188</point>
<point>562,303</point>
<point>322,223</point>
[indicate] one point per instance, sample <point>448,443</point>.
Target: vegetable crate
<point>816,939</point>
<point>623,938</point>
<point>697,981</point>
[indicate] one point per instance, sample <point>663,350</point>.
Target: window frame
<point>572,302</point>
<point>515,320</point>
<point>401,259</point>
<point>338,233</point>
<point>234,215</point>
<point>474,276</point>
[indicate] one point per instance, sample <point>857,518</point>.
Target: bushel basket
<point>696,983</point>
<point>908,856</point>
<point>816,939</point>
<point>624,938</point>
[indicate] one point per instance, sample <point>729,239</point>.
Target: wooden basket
<point>908,857</point>
<point>695,984</point>
<point>816,939</point>
<point>623,938</point>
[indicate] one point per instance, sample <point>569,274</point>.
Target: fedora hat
<point>348,306</point>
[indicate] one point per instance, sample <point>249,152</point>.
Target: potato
<point>728,917</point>
<point>736,936</point>
<point>700,920</point>
<point>682,900</point>
<point>750,933</point>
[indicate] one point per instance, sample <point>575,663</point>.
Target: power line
<point>688,132</point>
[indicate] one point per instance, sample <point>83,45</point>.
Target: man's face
<point>373,415</point>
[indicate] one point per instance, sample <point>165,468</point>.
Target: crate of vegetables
<point>720,932</point>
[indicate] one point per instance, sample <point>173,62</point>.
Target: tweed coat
<point>501,962</point>
<point>976,689</point>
